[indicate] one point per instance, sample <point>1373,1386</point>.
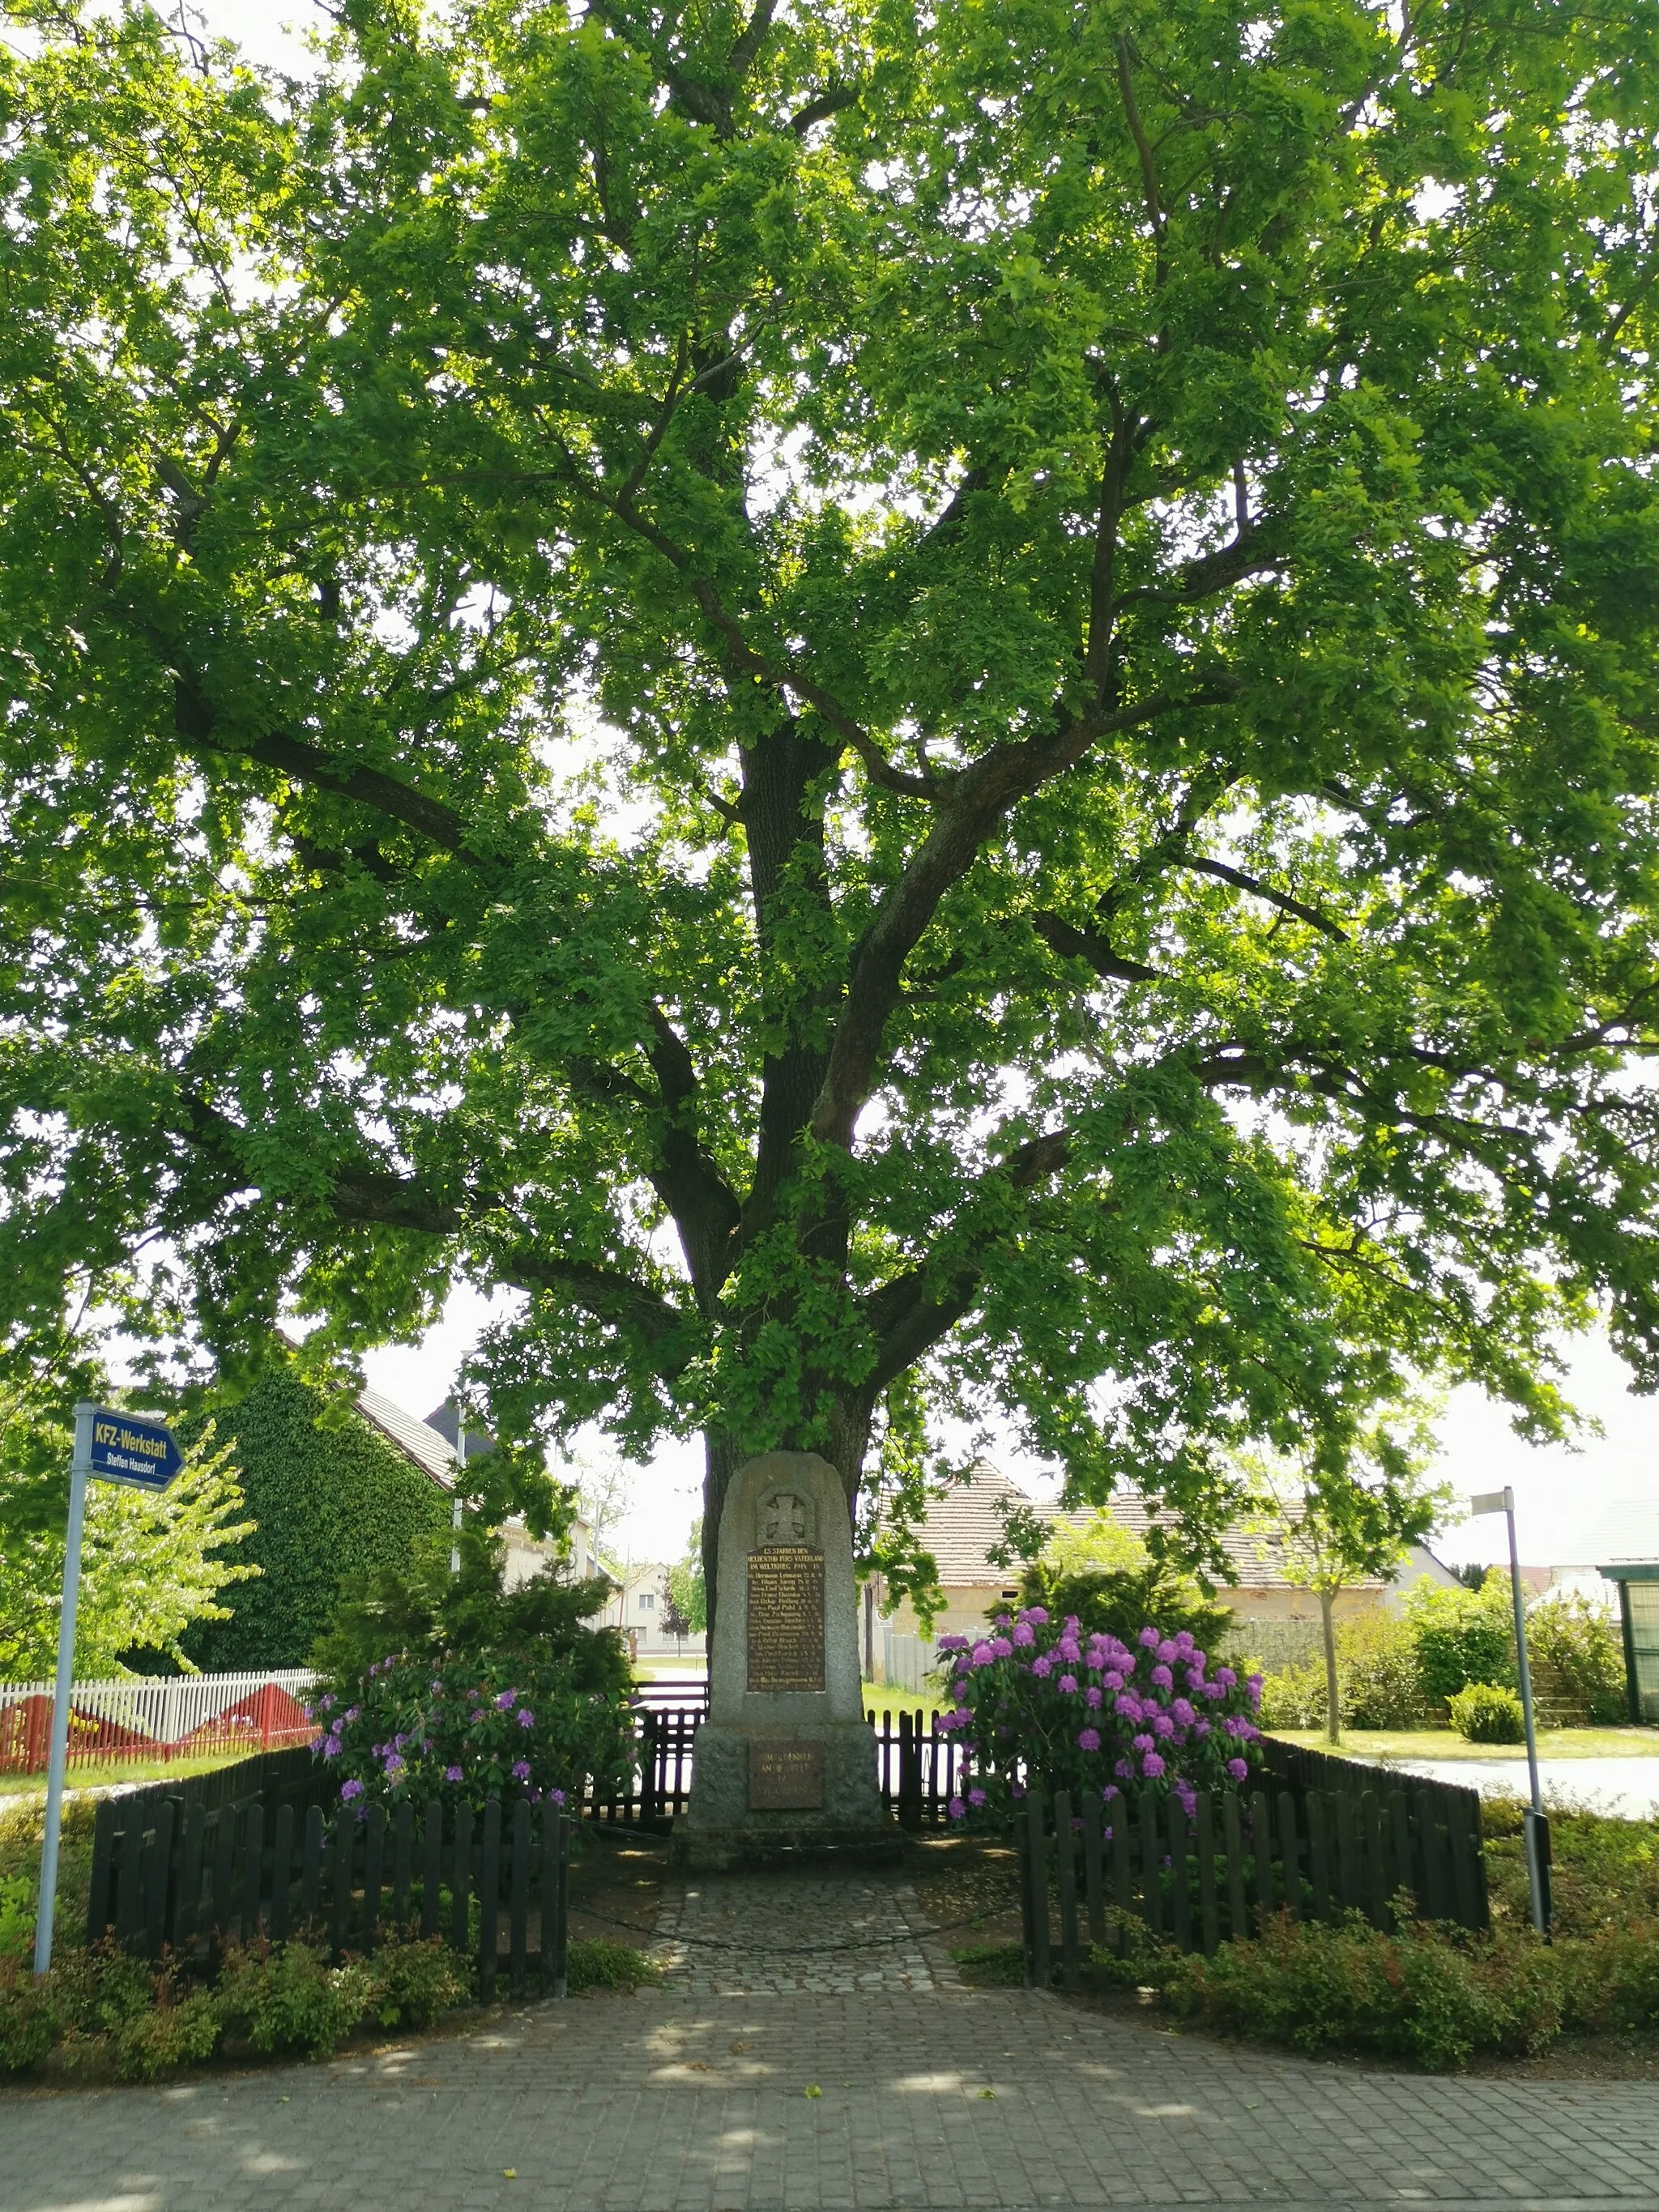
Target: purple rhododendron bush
<point>1089,1713</point>
<point>467,1729</point>
<point>454,1686</point>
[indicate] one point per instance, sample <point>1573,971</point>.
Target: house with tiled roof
<point>1275,1619</point>
<point>526,1555</point>
<point>433,1446</point>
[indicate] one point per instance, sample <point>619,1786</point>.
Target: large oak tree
<point>910,709</point>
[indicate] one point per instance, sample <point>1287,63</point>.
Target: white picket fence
<point>906,1662</point>
<point>129,1720</point>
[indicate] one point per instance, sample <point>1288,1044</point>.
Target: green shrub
<point>171,2034</point>
<point>1606,1874</point>
<point>1462,1635</point>
<point>146,2022</point>
<point>1424,1993</point>
<point>31,2020</point>
<point>1294,1697</point>
<point>286,1996</point>
<point>453,1685</point>
<point>596,1965</point>
<point>332,1497</point>
<point>99,1991</point>
<point>102,1998</point>
<point>1582,1648</point>
<point>1120,1603</point>
<point>16,1915</point>
<point>1379,1672</point>
<point>1618,1987</point>
<point>414,1982</point>
<point>1484,1713</point>
<point>22,1831</point>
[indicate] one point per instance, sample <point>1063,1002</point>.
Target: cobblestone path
<point>792,1935</point>
<point>737,2084</point>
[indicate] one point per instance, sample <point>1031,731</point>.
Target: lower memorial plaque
<point>786,1618</point>
<point>785,1778</point>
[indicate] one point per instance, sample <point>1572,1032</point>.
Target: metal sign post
<point>1537,1828</point>
<point>114,1448</point>
<point>80,1468</point>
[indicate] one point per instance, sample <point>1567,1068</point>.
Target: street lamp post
<point>1537,1828</point>
<point>455,1510</point>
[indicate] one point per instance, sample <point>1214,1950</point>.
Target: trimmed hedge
<point>330,1501</point>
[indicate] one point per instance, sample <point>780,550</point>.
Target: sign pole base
<point>79,1469</point>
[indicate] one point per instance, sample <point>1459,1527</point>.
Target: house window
<point>648,1602</point>
<point>1012,1593</point>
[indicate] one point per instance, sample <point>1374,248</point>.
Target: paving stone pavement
<point>694,2096</point>
<point>797,1934</point>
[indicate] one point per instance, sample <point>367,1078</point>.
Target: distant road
<point>1628,1787</point>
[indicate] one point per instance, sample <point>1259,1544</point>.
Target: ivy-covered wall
<point>329,1502</point>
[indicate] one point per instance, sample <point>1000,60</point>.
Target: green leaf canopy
<point>903,709</point>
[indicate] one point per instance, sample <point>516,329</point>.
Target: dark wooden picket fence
<point>1350,1843</point>
<point>919,1770</point>
<point>188,1879</point>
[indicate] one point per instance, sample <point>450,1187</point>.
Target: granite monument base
<point>726,1826</point>
<point>785,1765</point>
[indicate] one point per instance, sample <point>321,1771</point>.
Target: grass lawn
<point>15,1787</point>
<point>1446,1743</point>
<point>879,1699</point>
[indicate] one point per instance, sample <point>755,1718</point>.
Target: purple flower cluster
<point>1089,1711</point>
<point>468,1729</point>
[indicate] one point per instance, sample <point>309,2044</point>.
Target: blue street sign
<point>127,1448</point>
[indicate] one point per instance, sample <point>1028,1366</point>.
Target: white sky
<point>1563,1498</point>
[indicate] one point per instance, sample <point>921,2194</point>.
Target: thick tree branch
<point>606,1293</point>
<point>1299,1068</point>
<point>743,656</point>
<point>303,763</point>
<point>1092,946</point>
<point>658,430</point>
<point>705,1209</point>
<point>828,103</point>
<point>1255,548</point>
<point>1126,55</point>
<point>783,827</point>
<point>1283,900</point>
<point>748,43</point>
<point>980,797</point>
<point>374,1196</point>
<point>907,1316</point>
<point>1102,605</point>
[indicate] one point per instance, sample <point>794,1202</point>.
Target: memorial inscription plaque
<point>786,1778</point>
<point>786,1618</point>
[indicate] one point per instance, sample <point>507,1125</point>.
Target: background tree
<point>952,703</point>
<point>688,1592</point>
<point>602,1484</point>
<point>1324,1538</point>
<point>152,1567</point>
<point>676,1622</point>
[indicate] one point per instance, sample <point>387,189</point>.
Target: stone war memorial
<point>785,1765</point>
